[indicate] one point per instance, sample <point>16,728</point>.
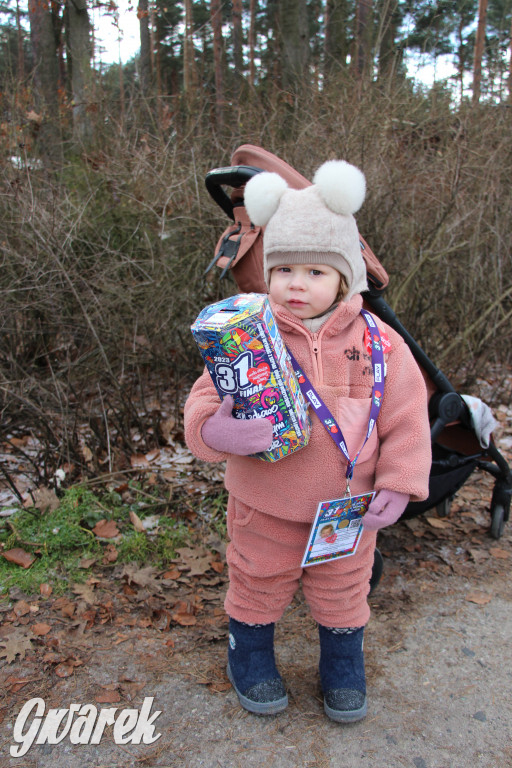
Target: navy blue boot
<point>252,668</point>
<point>342,673</point>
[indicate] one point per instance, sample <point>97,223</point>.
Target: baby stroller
<point>456,447</point>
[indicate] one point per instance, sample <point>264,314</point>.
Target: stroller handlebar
<point>234,176</point>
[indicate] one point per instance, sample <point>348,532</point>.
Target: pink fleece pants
<point>264,556</point>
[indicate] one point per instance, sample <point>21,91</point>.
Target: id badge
<point>336,529</point>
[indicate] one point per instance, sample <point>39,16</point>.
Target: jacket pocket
<point>353,416</point>
<point>239,515</point>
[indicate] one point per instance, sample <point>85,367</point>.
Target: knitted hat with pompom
<point>314,225</point>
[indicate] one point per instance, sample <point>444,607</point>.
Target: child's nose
<point>297,281</point>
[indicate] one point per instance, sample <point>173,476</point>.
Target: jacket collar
<point>344,314</point>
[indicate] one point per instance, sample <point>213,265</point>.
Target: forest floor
<point>437,651</point>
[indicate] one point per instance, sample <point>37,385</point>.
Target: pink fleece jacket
<point>396,457</point>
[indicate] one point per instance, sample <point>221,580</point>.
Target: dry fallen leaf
<point>18,556</point>
<point>501,554</point>
<point>87,454</point>
<point>86,592</point>
<point>106,529</point>
<point>196,561</point>
<point>136,522</point>
<point>143,577</point>
<point>173,574</point>
<point>65,606</point>
<point>45,590</point>
<point>21,608</point>
<point>43,499</point>
<point>184,619</point>
<point>16,644</point>
<point>152,455</point>
<point>63,670</point>
<point>480,598</point>
<point>40,629</point>
<point>110,555</point>
<point>138,460</point>
<point>106,696</point>
<point>15,684</point>
<point>435,522</point>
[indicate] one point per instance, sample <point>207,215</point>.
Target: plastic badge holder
<point>246,357</point>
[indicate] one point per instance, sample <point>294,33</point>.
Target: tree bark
<point>189,65</point>
<point>81,77</point>
<point>479,50</point>
<point>510,69</point>
<point>252,41</point>
<point>19,33</point>
<point>216,20</point>
<point>389,54</point>
<point>363,60</point>
<point>294,39</point>
<point>336,37</point>
<point>46,78</point>
<point>238,56</point>
<point>146,69</point>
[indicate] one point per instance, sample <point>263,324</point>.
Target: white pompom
<point>341,185</point>
<point>262,195</point>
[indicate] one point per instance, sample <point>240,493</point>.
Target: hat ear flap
<point>341,185</point>
<point>262,195</point>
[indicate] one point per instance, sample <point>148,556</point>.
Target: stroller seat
<point>456,448</point>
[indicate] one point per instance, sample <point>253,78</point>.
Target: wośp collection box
<point>245,355</point>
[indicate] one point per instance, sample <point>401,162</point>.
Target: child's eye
<point>283,269</point>
<point>316,272</point>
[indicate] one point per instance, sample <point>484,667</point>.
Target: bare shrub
<point>102,263</point>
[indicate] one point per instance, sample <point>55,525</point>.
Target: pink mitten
<point>385,509</point>
<point>223,432</point>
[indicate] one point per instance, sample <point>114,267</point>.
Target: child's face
<point>306,290</point>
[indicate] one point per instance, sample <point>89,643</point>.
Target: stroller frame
<point>456,450</point>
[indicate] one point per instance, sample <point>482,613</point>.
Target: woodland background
<point>106,227</point>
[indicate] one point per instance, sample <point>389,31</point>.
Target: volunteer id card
<point>336,529</point>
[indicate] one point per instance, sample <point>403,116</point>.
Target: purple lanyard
<point>323,412</point>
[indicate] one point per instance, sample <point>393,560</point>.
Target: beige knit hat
<point>313,225</point>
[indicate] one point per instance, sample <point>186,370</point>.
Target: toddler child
<point>315,275</point>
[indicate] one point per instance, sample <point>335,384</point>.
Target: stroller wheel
<point>378,565</point>
<point>497,521</point>
<point>443,508</point>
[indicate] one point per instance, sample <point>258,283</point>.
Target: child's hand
<point>223,432</point>
<point>385,509</point>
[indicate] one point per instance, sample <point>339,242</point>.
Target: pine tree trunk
<point>189,75</point>
<point>252,41</point>
<point>216,19</point>
<point>363,60</point>
<point>294,38</point>
<point>479,50</point>
<point>336,38</point>
<point>46,78</point>
<point>81,78</point>
<point>146,72</point>
<point>238,56</point>
<point>510,69</point>
<point>389,54</point>
<point>21,57</point>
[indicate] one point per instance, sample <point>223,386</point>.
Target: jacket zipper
<point>315,347</point>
